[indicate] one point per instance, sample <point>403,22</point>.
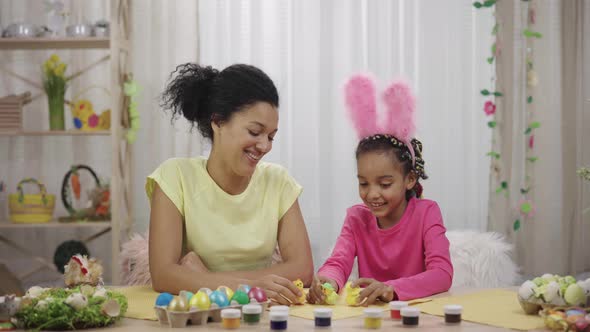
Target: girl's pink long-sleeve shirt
<point>412,256</point>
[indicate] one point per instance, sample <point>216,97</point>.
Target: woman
<point>217,221</point>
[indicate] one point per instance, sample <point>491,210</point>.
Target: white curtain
<point>309,48</point>
<point>555,239</point>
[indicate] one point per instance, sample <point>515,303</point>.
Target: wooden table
<point>427,323</point>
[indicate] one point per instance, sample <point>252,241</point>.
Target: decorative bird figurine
<point>299,284</point>
<point>352,294</point>
<point>330,293</point>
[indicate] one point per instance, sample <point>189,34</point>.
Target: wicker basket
<point>31,208</point>
<point>531,308</point>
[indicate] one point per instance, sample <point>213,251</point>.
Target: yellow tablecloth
<point>496,307</point>
<point>141,300</point>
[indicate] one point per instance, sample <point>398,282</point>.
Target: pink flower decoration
<point>489,108</point>
<point>526,208</point>
<point>532,141</point>
<point>532,15</point>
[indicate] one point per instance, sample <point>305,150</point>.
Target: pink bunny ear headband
<point>399,124</point>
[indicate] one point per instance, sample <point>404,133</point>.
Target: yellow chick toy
<point>299,284</point>
<point>330,293</point>
<point>352,294</point>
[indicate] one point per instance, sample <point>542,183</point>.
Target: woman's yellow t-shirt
<point>228,232</point>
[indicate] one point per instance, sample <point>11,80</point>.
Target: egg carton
<point>176,319</point>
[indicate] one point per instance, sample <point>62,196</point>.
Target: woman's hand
<point>279,289</point>
<point>373,290</point>
<point>316,294</point>
<point>193,262</point>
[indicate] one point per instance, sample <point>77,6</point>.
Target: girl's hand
<point>373,290</point>
<point>278,289</point>
<point>193,262</point>
<point>316,294</point>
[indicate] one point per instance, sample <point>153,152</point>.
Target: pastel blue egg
<point>164,299</point>
<point>188,295</point>
<point>244,288</point>
<point>575,312</point>
<point>219,298</point>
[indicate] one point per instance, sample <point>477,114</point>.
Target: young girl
<point>398,238</point>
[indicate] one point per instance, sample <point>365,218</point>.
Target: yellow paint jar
<point>373,318</point>
<point>230,318</point>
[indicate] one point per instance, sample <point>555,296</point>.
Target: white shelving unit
<point>121,154</point>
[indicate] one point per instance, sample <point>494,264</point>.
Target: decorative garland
<point>525,205</point>
<point>131,91</point>
<point>584,174</point>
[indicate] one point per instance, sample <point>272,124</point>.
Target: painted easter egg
<point>575,312</point>
<point>244,288</point>
<point>240,298</point>
<point>178,303</point>
<point>93,121</point>
<point>257,294</point>
<point>164,299</point>
<point>228,291</point>
<point>200,301</point>
<point>219,298</point>
<point>582,324</point>
<point>187,295</point>
<point>206,290</point>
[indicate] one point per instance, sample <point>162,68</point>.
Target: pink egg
<point>257,294</point>
<point>582,324</point>
<point>93,121</point>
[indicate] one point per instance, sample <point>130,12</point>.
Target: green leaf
<point>499,190</point>
<point>529,99</point>
<point>489,3</point>
<point>498,94</point>
<point>526,207</point>
<point>531,34</point>
<point>516,225</point>
<point>504,185</point>
<point>532,159</point>
<point>485,92</point>
<point>495,29</point>
<point>494,48</point>
<point>535,125</point>
<point>493,154</point>
<point>477,4</point>
<point>528,131</point>
<point>490,60</point>
<point>492,124</point>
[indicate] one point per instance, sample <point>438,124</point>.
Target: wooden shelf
<point>58,133</point>
<point>53,43</point>
<point>54,224</point>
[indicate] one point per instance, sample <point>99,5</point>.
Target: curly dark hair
<point>401,154</point>
<point>203,94</point>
